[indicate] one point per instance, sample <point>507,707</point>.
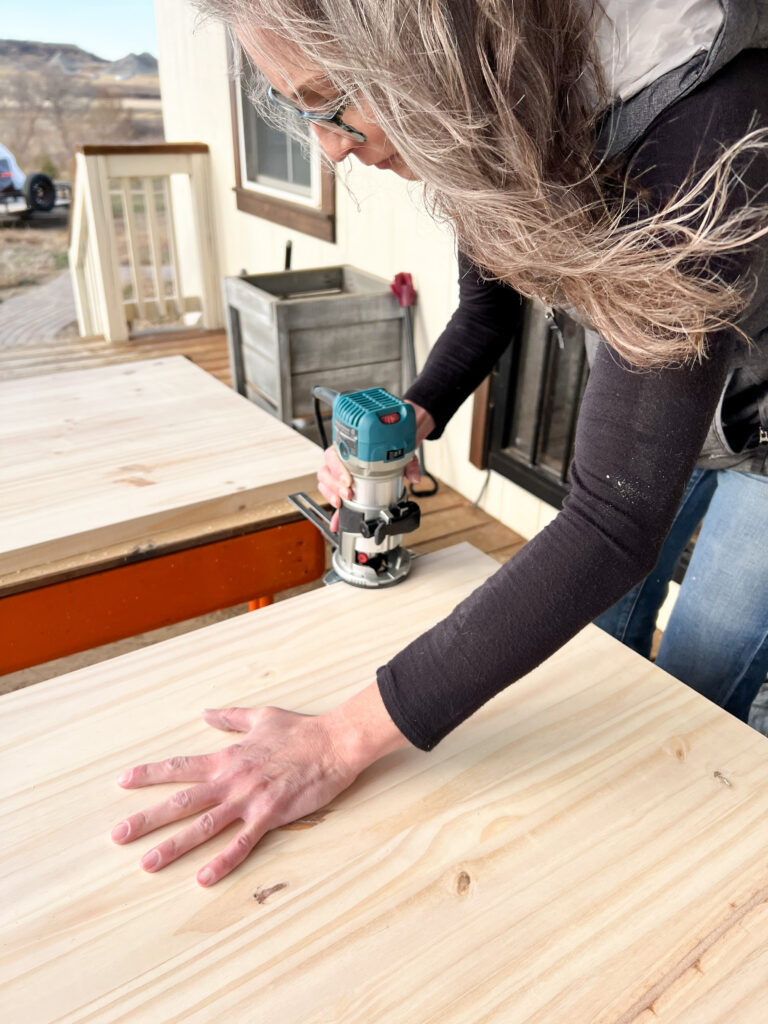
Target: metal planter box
<point>335,326</point>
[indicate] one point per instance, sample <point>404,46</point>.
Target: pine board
<point>119,455</point>
<point>588,849</point>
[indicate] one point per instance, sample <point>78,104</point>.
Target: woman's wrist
<point>425,423</point>
<point>361,730</point>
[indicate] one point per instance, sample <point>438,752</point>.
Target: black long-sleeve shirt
<point>638,437</point>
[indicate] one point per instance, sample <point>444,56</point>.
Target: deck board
<point>208,349</point>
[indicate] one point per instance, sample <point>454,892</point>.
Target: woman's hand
<point>335,483</point>
<point>285,766</point>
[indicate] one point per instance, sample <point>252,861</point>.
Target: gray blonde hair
<point>493,105</point>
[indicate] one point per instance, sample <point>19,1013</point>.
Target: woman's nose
<point>335,146</point>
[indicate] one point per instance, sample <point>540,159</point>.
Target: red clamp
<point>403,290</point>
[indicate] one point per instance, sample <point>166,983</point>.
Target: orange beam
<point>64,618</point>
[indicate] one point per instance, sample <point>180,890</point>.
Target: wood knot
<point>677,747</point>
<point>308,821</point>
<point>463,883</point>
<point>135,481</point>
<point>262,895</point>
<point>722,779</point>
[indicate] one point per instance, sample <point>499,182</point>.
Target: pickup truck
<point>37,190</point>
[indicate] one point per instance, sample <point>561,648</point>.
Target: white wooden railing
<point>143,249</point>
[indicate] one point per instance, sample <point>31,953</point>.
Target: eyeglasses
<point>332,122</point>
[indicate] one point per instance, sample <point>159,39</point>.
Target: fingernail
<point>205,877</point>
<point>120,832</point>
<point>123,778</point>
<point>150,860</point>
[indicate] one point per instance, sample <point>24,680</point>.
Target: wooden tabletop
<point>116,461</point>
<point>590,848</point>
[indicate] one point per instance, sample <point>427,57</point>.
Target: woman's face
<point>307,85</point>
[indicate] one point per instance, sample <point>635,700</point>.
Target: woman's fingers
<point>176,807</point>
<point>231,719</point>
<point>333,479</point>
<point>336,467</point>
<point>331,487</point>
<point>196,768</point>
<point>206,826</point>
<point>232,855</point>
<point>334,483</point>
<point>413,470</point>
<point>330,493</point>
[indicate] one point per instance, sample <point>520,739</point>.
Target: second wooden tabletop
<point>115,457</point>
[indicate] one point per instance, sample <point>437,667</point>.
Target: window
<point>526,414</point>
<point>271,159</point>
<point>526,410</point>
<point>275,179</point>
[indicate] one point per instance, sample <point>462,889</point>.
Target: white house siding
<point>381,228</point>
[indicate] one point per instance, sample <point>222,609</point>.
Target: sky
<point>108,28</point>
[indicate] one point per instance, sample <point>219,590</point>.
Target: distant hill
<point>72,59</point>
<point>132,65</point>
<point>35,55</point>
<point>55,96</point>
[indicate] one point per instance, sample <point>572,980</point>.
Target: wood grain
<point>119,455</point>
<point>588,849</point>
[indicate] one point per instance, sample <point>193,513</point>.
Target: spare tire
<point>40,192</point>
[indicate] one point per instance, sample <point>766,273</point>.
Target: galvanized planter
<point>335,326</point>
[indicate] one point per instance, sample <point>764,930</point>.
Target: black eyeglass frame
<point>333,122</point>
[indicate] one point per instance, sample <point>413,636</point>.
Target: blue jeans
<point>716,640</point>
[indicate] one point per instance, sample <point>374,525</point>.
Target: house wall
<point>381,227</point>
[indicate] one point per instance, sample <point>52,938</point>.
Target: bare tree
<point>45,114</point>
<point>19,115</point>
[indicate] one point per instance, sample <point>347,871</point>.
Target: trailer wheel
<point>40,192</point>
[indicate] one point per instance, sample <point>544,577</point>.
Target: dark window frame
<point>492,414</point>
<point>320,222</point>
<point>494,410</point>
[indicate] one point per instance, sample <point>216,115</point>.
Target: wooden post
<point>78,254</point>
<point>199,180</point>
<point>102,238</point>
<point>132,234</point>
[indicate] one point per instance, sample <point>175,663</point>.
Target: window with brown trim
<point>274,177</point>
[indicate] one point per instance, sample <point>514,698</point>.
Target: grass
<point>29,256</point>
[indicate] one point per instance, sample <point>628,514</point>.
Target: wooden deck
<point>206,348</point>
<point>449,518</point>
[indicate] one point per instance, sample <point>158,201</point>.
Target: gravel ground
<point>31,254</point>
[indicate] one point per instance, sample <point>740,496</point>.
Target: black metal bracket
<point>401,518</point>
<point>316,515</point>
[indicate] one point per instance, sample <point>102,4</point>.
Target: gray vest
<point>745,26</point>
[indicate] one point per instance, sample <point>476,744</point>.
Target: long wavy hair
<point>493,105</point>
